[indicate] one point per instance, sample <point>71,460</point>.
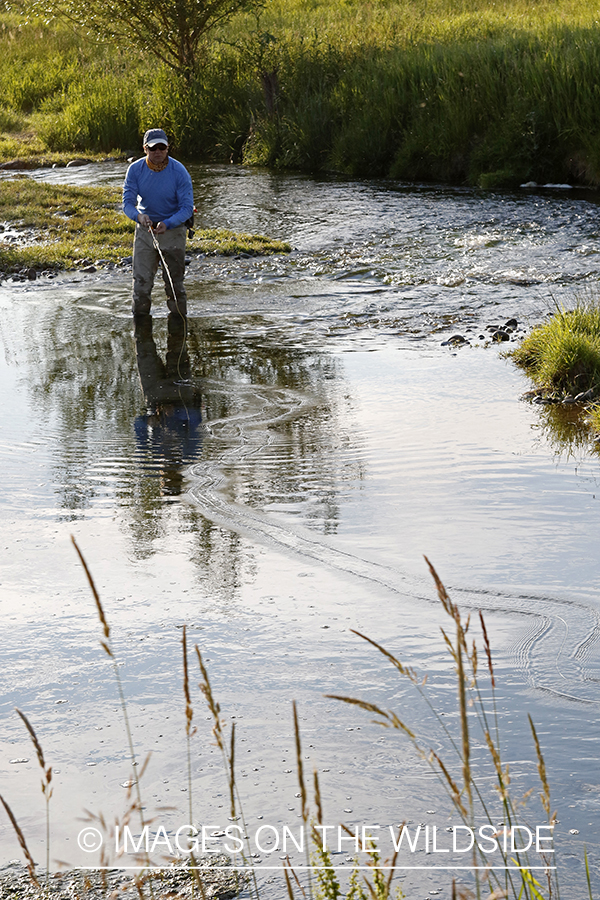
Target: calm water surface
<point>286,495</point>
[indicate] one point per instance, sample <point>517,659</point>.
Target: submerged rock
<point>455,341</point>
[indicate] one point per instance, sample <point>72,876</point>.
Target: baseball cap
<point>155,136</point>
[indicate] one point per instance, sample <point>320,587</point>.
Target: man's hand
<point>160,228</point>
<point>144,220</point>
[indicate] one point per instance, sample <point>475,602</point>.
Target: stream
<point>277,496</point>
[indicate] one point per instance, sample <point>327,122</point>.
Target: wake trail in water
<point>557,647</point>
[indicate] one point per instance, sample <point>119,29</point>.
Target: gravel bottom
<point>219,882</point>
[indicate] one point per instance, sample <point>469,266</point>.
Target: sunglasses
<point>158,147</point>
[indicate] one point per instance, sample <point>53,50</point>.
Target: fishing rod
<point>166,269</point>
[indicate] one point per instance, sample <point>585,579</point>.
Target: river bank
<point>47,227</point>
<point>450,92</point>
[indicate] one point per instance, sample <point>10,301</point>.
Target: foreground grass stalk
<point>302,785</point>
<point>46,785</point>
<point>227,754</point>
<point>22,842</point>
<point>189,733</point>
<point>107,647</point>
<point>468,800</point>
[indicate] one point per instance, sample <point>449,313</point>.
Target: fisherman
<point>158,195</point>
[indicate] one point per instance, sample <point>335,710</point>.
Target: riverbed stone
<point>219,882</point>
<point>500,336</point>
<point>22,164</point>
<point>455,341</point>
<point>79,161</point>
<point>584,396</point>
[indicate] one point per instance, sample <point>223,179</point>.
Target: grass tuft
<point>59,225</point>
<point>563,355</point>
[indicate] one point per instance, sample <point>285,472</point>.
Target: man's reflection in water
<point>169,432</point>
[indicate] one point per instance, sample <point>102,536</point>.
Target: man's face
<point>157,154</point>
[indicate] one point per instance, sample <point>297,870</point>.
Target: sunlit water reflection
<point>286,495</point>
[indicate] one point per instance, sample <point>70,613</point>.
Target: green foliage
<point>171,31</point>
<point>456,91</point>
<point>564,354</point>
<point>329,886</point>
<point>102,114</point>
<point>230,243</point>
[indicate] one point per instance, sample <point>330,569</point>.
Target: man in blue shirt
<point>158,195</point>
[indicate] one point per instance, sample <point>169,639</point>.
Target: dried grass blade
<point>22,841</point>
<point>299,763</point>
<point>404,670</point>
<point>33,736</point>
<point>318,803</point>
<point>541,767</point>
<point>488,649</point>
<point>96,596</point>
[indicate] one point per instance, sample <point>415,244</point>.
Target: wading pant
<point>145,265</point>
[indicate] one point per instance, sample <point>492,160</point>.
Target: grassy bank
<point>460,92</point>
<point>562,357</point>
<point>59,226</point>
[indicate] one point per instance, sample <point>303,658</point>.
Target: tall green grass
<point>563,355</point>
<point>458,91</point>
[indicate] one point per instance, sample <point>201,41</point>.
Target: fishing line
<point>183,318</point>
<point>175,299</point>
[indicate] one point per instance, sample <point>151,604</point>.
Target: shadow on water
<point>566,431</point>
<point>216,397</point>
<point>169,431</point>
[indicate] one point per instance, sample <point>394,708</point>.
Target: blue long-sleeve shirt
<point>165,196</point>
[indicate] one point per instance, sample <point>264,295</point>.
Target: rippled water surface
<point>285,495</point>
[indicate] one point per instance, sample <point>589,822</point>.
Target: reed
<point>478,722</point>
<point>46,783</point>
<point>22,842</point>
<point>227,750</point>
<point>469,799</point>
<point>136,775</point>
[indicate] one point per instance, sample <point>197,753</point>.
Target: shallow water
<point>328,443</point>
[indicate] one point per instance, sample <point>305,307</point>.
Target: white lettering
<point>514,829</point>
<point>161,837</point>
<point>369,841</point>
<point>324,829</point>
<point>349,837</point>
<point>208,836</point>
<point>543,837</point>
<point>398,843</point>
<point>287,833</point>
<point>135,848</point>
<point>463,828</point>
<point>191,842</point>
<point>267,828</point>
<point>486,837</point>
<point>235,838</point>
